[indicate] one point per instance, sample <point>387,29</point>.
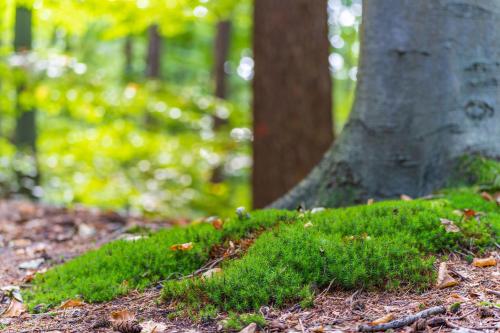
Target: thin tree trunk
<point>221,52</point>
<point>25,131</point>
<point>153,64</point>
<point>129,57</point>
<point>428,93</point>
<point>292,94</point>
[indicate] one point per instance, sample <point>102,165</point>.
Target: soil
<point>34,237</point>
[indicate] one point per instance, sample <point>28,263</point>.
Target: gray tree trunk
<point>153,62</point>
<point>25,134</point>
<point>428,92</point>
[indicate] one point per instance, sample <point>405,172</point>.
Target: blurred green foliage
<point>115,139</point>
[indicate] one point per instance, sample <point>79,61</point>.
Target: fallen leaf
<point>217,224</point>
<point>308,224</point>
<point>370,201</point>
<point>250,328</point>
<point>211,272</point>
<point>486,196</point>
<point>15,309</point>
<point>485,262</point>
<point>86,231</point>
<point>71,303</point>
<point>449,226</point>
<point>122,315</point>
<point>151,326</point>
<point>469,213</point>
<point>444,279</point>
<point>385,319</point>
<point>182,247</point>
<point>405,197</point>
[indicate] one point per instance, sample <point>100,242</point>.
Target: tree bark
<point>153,63</point>
<point>129,57</point>
<point>428,93</point>
<point>25,134</point>
<point>221,52</point>
<point>292,94</point>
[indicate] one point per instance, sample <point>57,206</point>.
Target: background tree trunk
<point>407,130</point>
<point>221,52</point>
<point>292,109</point>
<point>153,63</point>
<point>25,134</point>
<point>128,53</point>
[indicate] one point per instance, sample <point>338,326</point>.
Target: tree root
<point>405,321</point>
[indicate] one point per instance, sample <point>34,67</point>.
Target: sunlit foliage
<point>115,139</point>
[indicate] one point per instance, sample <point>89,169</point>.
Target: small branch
<point>494,292</point>
<point>301,326</point>
<point>405,321</point>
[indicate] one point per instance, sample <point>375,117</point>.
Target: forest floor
<point>36,237</point>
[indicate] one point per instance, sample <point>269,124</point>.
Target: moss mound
<point>121,266</point>
<point>385,245</point>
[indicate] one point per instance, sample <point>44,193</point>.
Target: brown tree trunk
<point>428,93</point>
<point>129,56</point>
<point>153,64</point>
<point>221,52</point>
<point>292,105</point>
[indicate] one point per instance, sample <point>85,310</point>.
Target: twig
<point>326,290</point>
<point>494,292</point>
<point>405,321</point>
<point>301,326</point>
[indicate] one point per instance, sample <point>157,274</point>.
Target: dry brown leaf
<point>486,196</point>
<point>217,224</point>
<point>370,201</point>
<point>468,213</point>
<point>449,225</point>
<point>405,197</point>
<point>122,315</point>
<point>484,262</point>
<point>71,303</point>
<point>250,328</point>
<point>382,320</point>
<point>444,279</point>
<point>318,329</point>
<point>15,309</point>
<point>182,247</point>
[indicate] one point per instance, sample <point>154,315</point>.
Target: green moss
<point>386,245</point>
<point>476,170</point>
<point>121,266</point>
<point>236,322</point>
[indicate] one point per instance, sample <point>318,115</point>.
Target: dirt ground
<point>36,237</point>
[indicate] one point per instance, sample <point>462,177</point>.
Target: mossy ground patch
<point>385,245</point>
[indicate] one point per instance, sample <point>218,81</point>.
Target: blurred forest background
<point>140,105</point>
